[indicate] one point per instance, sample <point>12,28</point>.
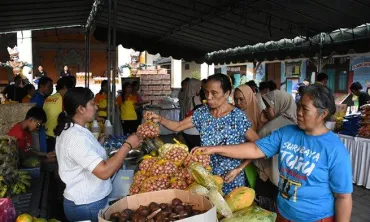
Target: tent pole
<point>114,62</point>
<point>88,58</point>
<point>86,62</point>
<point>109,61</point>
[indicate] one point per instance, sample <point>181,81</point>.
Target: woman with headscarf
<point>280,111</point>
<point>191,101</point>
<point>246,101</point>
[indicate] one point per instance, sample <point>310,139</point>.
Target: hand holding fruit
<point>134,141</point>
<point>153,117</point>
<point>202,150</point>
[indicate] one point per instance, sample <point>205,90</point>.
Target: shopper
<point>14,92</point>
<point>363,97</point>
<point>322,78</point>
<point>272,85</point>
<point>126,103</point>
<point>262,90</point>
<point>101,101</point>
<point>83,163</point>
<point>280,111</point>
<point>65,72</point>
<point>35,118</point>
<point>202,93</point>
<point>246,101</point>
<point>30,91</point>
<point>45,88</point>
<point>53,106</point>
<point>219,123</point>
<point>40,72</point>
<point>315,170</point>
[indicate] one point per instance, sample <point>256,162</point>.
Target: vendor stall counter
<point>359,150</point>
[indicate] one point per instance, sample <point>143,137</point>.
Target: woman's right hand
<point>153,116</point>
<point>134,140</point>
<point>202,150</point>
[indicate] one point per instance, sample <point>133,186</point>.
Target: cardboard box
<point>164,196</point>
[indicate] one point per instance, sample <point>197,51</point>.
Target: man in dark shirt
<point>14,91</point>
<point>363,97</point>
<point>40,72</point>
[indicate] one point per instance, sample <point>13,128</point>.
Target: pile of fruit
<point>18,184</point>
<point>157,212</point>
<point>364,131</point>
<point>29,218</point>
<point>167,169</point>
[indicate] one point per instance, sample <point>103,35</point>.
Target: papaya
<point>240,198</point>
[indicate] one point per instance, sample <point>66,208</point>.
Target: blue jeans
<point>90,211</point>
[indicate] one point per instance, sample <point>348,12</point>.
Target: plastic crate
<point>121,183</point>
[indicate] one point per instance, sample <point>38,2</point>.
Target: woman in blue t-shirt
<point>315,171</point>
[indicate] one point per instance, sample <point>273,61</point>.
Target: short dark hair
<point>64,82</point>
<point>224,80</point>
<point>356,86</point>
<point>28,87</point>
<point>322,76</point>
<point>301,89</point>
<point>43,81</point>
<point>36,113</point>
<point>263,86</point>
<point>322,98</point>
<point>17,80</point>
<point>272,85</point>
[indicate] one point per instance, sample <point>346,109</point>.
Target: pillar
<point>176,67</point>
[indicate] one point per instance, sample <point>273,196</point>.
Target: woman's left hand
<point>102,138</point>
<point>232,174</point>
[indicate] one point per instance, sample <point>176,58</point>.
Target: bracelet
<point>129,144</point>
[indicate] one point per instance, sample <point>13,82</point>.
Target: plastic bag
<point>7,210</point>
<point>203,176</point>
<point>148,130</point>
<point>198,189</point>
<point>216,199</point>
<point>252,214</point>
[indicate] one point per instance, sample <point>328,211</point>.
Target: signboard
<point>360,65</point>
<point>236,70</point>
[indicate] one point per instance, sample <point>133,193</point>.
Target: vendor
<point>83,163</point>
<point>219,123</point>
<point>363,97</point>
<point>101,101</point>
<point>35,118</point>
<point>315,170</point>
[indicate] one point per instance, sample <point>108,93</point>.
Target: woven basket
<point>11,114</point>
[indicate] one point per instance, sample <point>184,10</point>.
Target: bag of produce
<point>176,155</point>
<point>7,210</point>
<point>216,199</point>
<point>163,167</point>
<point>169,146</point>
<point>198,158</point>
<point>155,183</point>
<point>252,214</point>
<point>198,189</point>
<point>203,176</point>
<point>148,129</point>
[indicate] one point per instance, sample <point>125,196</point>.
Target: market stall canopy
<point>18,15</point>
<point>189,29</point>
<point>341,41</point>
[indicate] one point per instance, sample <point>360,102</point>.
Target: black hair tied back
<point>72,100</point>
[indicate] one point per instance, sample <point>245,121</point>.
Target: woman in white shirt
<point>83,163</point>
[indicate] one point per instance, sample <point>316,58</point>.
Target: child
<point>30,91</point>
<point>35,118</point>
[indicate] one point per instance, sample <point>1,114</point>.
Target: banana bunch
<point>19,184</point>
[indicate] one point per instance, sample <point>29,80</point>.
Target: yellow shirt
<point>127,108</point>
<point>101,102</point>
<point>53,106</point>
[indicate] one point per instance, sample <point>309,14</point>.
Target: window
<point>187,66</point>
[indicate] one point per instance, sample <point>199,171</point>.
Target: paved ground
<point>361,204</point>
